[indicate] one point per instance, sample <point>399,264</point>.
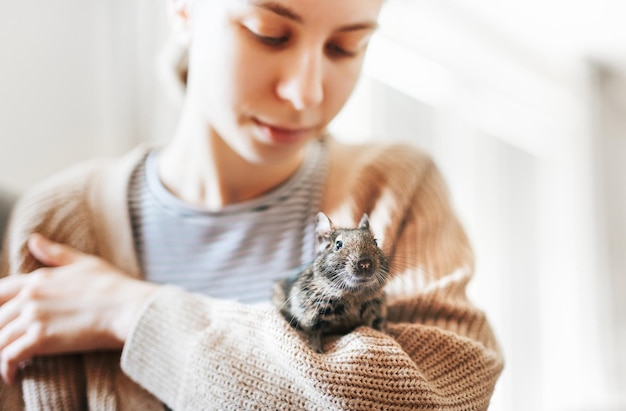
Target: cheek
<point>339,85</point>
<point>208,64</point>
<point>223,76</point>
<point>251,73</point>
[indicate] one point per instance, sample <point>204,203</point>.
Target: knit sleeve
<point>438,352</point>
<point>448,339</point>
<point>55,209</point>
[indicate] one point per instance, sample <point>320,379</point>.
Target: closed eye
<point>337,51</point>
<point>272,41</point>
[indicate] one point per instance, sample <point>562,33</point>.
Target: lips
<point>282,134</point>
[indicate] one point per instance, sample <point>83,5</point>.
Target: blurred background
<point>521,102</point>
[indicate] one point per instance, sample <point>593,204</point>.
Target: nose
<point>364,266</point>
<point>302,81</point>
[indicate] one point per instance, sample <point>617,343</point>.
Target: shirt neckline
<point>281,193</point>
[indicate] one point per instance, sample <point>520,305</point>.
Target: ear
<point>323,228</point>
<point>179,12</point>
<point>365,222</point>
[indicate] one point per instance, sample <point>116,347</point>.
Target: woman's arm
<point>195,352</point>
<point>78,303</point>
<point>58,209</point>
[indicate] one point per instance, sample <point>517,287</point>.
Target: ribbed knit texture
<point>196,353</point>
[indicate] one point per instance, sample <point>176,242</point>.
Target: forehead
<point>341,12</point>
<point>351,233</point>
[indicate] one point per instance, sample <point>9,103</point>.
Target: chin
<point>261,153</point>
<point>262,147</point>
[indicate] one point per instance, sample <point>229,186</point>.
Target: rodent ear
<point>365,222</point>
<point>323,227</point>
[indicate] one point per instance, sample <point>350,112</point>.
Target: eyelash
<point>338,51</point>
<point>272,41</point>
<point>277,42</point>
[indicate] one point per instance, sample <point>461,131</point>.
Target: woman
<point>224,209</point>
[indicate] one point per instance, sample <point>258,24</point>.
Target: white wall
<point>76,81</point>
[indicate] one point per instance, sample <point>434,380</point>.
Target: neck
<point>200,168</point>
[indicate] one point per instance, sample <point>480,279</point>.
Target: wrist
<point>133,300</point>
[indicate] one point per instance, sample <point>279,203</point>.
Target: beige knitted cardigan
<point>194,353</point>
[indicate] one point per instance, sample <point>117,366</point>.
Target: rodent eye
<point>338,245</point>
<point>376,242</point>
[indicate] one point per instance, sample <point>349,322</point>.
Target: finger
<point>12,331</point>
<point>9,312</point>
<point>51,253</point>
<point>10,286</point>
<point>20,350</point>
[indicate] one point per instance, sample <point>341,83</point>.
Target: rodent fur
<point>343,287</point>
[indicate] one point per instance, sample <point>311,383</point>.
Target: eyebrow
<point>278,9</point>
<point>284,11</point>
<point>359,26</point>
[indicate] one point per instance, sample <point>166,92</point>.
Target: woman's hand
<point>77,303</point>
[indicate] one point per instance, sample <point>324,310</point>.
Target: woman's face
<point>269,75</point>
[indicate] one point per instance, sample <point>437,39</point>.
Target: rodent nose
<point>364,266</point>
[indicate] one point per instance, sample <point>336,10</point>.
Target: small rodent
<point>343,287</point>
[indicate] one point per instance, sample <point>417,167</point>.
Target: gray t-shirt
<point>236,253</point>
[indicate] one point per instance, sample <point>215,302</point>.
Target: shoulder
<point>69,188</point>
<point>377,165</point>
<point>372,167</point>
<point>396,161</point>
<point>56,195</point>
